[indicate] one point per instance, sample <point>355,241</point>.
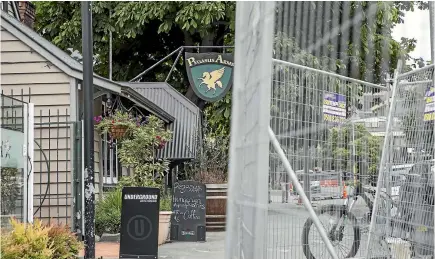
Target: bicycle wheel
<point>336,236</point>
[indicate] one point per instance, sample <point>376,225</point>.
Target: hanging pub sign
<point>210,74</point>
<point>334,108</point>
<point>429,109</point>
<point>139,222</point>
<point>188,211</point>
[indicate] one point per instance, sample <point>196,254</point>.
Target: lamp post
<point>88,91</point>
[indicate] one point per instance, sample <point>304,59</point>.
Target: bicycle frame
<point>351,200</point>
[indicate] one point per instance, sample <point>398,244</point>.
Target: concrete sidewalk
<point>285,229</point>
<point>212,249</point>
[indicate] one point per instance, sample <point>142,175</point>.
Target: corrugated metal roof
<point>186,114</point>
<point>12,8</point>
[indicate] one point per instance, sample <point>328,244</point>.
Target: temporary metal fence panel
<point>324,185</point>
<point>247,183</point>
<point>317,122</point>
<point>403,217</point>
<point>316,118</point>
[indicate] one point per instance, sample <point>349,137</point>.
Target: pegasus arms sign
<point>210,74</point>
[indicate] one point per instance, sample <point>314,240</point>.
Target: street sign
<point>139,223</point>
<point>188,206</point>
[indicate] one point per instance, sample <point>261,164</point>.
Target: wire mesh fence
<point>325,127</point>
<point>403,216</point>
<point>320,120</point>
<point>323,185</point>
<point>248,163</point>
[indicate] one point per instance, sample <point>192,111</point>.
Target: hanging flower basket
<point>118,131</point>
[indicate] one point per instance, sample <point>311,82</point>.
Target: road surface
<point>284,234</point>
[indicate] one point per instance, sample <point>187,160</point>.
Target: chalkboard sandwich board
<point>188,211</point>
<point>139,223</point>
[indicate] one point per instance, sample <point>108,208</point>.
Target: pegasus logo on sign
<point>211,80</point>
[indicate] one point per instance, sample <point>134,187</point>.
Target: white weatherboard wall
<point>24,71</point>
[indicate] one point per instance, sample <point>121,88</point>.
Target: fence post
<point>26,165</point>
<point>432,45</point>
<point>30,160</point>
<point>384,154</point>
<point>249,161</point>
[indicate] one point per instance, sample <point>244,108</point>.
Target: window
<point>110,161</point>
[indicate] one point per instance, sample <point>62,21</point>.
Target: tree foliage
<point>10,189</point>
<point>145,32</point>
<point>338,150</point>
<point>138,146</point>
<point>211,162</point>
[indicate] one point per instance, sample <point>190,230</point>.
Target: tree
<point>145,32</point>
<point>338,150</point>
<point>368,57</point>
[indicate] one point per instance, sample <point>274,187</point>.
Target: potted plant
<point>137,149</point>
<point>118,125</point>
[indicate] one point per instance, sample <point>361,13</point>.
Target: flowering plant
<point>139,152</point>
<point>137,148</point>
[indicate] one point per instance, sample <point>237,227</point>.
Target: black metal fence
<point>57,163</point>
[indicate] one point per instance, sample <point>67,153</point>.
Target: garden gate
<point>16,162</point>
<point>403,218</point>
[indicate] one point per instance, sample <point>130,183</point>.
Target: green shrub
<point>108,213</point>
<point>165,203</point>
<point>39,241</point>
<point>64,243</point>
<point>29,241</point>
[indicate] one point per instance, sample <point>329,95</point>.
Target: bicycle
<point>343,214</point>
<point>416,187</point>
